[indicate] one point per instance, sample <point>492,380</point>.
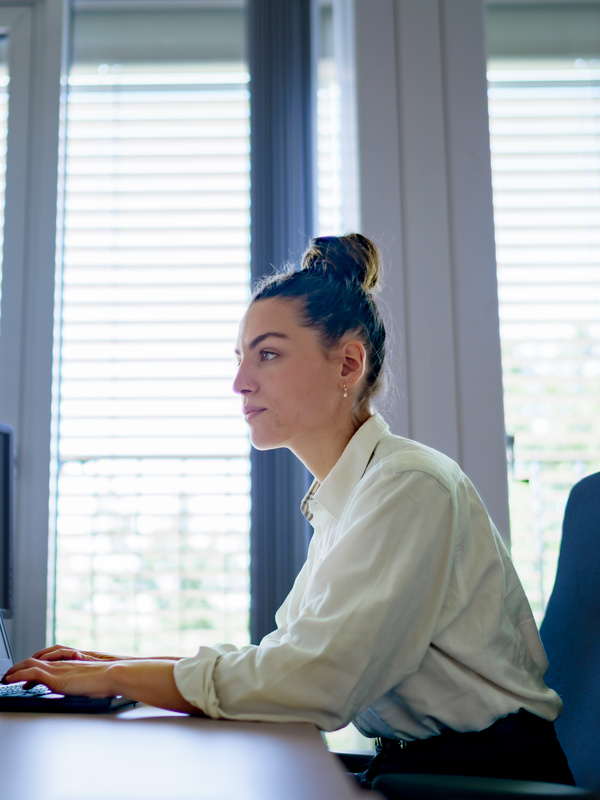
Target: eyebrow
<point>258,339</point>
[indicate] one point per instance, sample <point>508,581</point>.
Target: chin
<point>262,446</point>
<point>265,442</point>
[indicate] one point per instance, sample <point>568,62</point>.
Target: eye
<point>267,355</point>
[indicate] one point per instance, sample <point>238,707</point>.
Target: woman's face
<point>291,389</point>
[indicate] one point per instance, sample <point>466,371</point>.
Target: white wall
<point>426,198</point>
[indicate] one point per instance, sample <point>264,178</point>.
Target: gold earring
<point>345,391</point>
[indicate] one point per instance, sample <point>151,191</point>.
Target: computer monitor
<point>6,519</point>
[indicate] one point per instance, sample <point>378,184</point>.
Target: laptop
<point>13,697</point>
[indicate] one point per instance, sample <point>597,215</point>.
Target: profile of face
<point>290,386</point>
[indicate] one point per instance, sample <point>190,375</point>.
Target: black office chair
<point>449,787</point>
<point>571,635</point>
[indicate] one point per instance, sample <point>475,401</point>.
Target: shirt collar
<point>335,490</point>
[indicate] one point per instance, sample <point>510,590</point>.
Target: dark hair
<point>335,285</point>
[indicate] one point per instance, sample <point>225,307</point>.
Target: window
<point>152,486</point>
<point>545,121</point>
<point>152,479</point>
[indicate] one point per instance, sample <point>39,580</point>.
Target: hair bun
<point>351,257</point>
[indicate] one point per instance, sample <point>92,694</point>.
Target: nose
<point>242,383</point>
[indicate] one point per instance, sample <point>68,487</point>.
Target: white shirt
<point>407,616</point>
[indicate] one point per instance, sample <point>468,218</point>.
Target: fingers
<point>59,653</point>
<point>63,677</point>
<point>22,670</point>
<point>28,670</point>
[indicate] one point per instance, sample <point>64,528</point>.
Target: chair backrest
<point>467,787</point>
<point>571,633</point>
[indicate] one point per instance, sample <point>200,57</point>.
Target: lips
<point>250,412</point>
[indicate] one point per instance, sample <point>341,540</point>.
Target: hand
<point>59,652</point>
<point>90,678</point>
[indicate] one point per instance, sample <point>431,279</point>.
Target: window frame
<point>35,63</point>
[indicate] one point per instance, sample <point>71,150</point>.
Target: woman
<point>407,618</point>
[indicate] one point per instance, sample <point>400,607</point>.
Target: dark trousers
<point>520,747</point>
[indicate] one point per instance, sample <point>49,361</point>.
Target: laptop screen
<point>6,517</point>
<point>6,659</point>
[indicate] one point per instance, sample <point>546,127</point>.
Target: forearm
<point>149,681</point>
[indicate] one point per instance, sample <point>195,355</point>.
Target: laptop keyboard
<point>18,690</point>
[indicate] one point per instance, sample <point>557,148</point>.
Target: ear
<point>354,359</point>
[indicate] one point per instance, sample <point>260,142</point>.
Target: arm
<point>356,624</point>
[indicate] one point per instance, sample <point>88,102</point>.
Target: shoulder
<point>395,456</point>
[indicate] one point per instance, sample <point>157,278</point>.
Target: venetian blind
<point>329,135</point>
<point>152,488</point>
<point>545,124</point>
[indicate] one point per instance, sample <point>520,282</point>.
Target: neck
<point>320,457</point>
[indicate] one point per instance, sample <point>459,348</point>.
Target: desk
<point>146,753</point>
